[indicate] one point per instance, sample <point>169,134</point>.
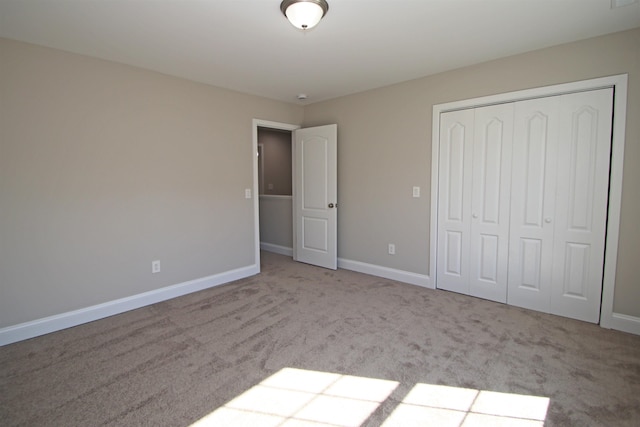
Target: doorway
<point>314,194</point>
<point>257,171</point>
<point>275,194</point>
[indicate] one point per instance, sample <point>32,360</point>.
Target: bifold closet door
<point>490,190</point>
<point>473,211</point>
<point>561,158</point>
<point>584,156</point>
<point>454,200</point>
<point>535,152</point>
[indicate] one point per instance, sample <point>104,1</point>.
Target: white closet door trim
<point>619,83</point>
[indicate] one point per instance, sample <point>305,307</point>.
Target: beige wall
<point>276,220</point>
<point>276,160</point>
<point>106,167</point>
<point>276,215</point>
<point>384,149</point>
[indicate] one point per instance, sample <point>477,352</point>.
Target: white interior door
<point>535,151</point>
<point>581,204</point>
<point>315,196</point>
<point>559,203</point>
<point>454,206</point>
<point>473,218</point>
<point>522,209</point>
<point>491,188</point>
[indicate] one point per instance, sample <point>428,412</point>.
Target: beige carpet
<point>232,355</point>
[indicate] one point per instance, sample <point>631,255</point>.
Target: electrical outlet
<point>392,249</point>
<point>155,266</point>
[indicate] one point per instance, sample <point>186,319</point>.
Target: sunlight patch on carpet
<point>438,405</point>
<point>304,398</point>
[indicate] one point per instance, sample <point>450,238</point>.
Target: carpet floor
<point>299,345</point>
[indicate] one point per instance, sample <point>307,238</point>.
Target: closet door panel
<point>489,241</point>
<point>533,202</point>
<point>454,207</point>
<point>581,205</point>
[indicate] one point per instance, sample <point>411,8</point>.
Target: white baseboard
<point>23,331</point>
<point>69,319</point>
<point>282,250</point>
<point>624,323</point>
<point>386,272</point>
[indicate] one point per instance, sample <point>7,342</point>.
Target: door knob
<point>475,215</point>
<point>331,205</point>
<point>547,220</point>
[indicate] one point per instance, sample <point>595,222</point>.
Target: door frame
<point>256,123</point>
<point>608,319</point>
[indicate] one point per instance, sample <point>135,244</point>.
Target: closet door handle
<point>474,215</point>
<point>547,219</point>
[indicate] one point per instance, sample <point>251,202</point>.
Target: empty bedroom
<point>319,213</point>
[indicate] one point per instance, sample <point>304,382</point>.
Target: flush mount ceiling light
<point>304,14</point>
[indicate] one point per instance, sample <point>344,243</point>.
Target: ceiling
<point>248,45</point>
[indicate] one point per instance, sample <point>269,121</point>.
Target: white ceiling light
<point>304,14</point>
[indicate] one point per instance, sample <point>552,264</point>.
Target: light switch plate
<point>416,191</point>
<point>247,193</point>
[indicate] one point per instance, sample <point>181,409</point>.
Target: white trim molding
<point>69,319</point>
<point>624,323</point>
<point>277,249</point>
<point>608,319</point>
<point>386,272</point>
<point>275,197</point>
